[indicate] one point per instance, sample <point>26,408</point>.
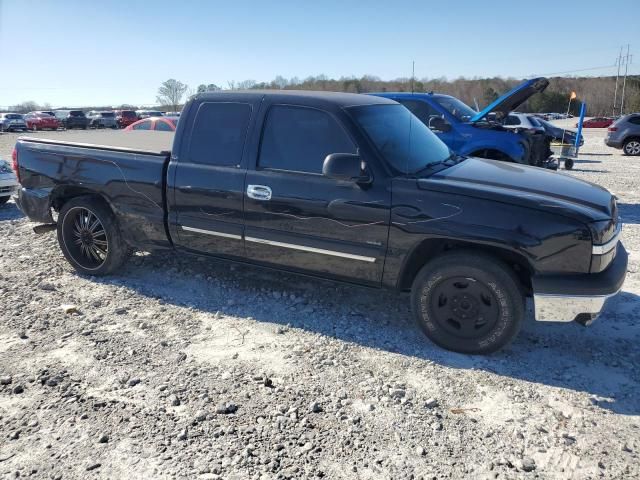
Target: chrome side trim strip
<point>212,232</point>
<point>311,249</point>
<point>610,245</point>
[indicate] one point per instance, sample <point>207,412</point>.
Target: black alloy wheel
<point>85,238</point>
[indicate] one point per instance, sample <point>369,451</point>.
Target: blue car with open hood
<point>482,134</point>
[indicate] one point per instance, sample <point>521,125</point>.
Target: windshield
<point>13,116</point>
<point>456,108</point>
<point>400,137</point>
<point>107,114</point>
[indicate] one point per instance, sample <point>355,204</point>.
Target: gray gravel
<point>188,368</point>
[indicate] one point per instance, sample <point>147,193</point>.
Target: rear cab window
<point>298,139</point>
<point>219,133</point>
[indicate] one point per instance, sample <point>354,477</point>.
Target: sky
<point>109,52</point>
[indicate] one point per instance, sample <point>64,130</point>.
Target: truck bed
<point>145,142</point>
<point>126,169</point>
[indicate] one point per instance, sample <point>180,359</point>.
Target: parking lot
<point>189,368</point>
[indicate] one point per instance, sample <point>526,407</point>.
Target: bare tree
<point>171,93</point>
<point>25,107</point>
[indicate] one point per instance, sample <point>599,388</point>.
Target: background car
<point>125,117</point>
<point>624,133</point>
<point>148,113</point>
<point>523,121</point>
<point>172,114</point>
<point>41,121</point>
<point>102,119</point>
<point>597,122</point>
<point>8,182</point>
<point>72,119</point>
<point>556,133</point>
<point>159,124</point>
<point>10,122</point>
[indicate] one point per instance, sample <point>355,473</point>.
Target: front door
<point>298,219</point>
<point>205,211</point>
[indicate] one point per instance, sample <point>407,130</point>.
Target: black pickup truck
<point>343,186</point>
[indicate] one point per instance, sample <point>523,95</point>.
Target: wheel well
<point>62,195</point>
<point>430,249</point>
<point>631,137</point>
<point>491,154</point>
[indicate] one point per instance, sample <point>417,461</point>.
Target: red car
<point>597,122</point>
<point>162,124</point>
<point>41,121</point>
<point>126,117</point>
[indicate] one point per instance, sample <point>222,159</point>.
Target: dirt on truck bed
<point>189,368</point>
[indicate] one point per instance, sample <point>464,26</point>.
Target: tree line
<point>596,92</point>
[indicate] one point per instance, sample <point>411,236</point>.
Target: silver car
<point>8,182</point>
<point>10,122</point>
<point>102,119</point>
<point>624,133</point>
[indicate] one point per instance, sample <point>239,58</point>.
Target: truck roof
<point>308,96</point>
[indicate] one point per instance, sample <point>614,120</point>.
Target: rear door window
<point>146,125</point>
<point>163,126</point>
<point>298,139</point>
<point>425,112</point>
<point>219,133</point>
<point>512,120</point>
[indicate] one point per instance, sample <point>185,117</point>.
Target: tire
<point>4,200</point>
<point>84,127</point>
<point>91,248</point>
<point>568,164</point>
<point>468,302</point>
<point>631,147</point>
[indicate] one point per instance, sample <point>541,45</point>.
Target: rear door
<point>300,220</point>
<point>207,180</point>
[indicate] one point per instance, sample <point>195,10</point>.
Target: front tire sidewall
<point>501,284</point>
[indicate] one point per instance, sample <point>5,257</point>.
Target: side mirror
<point>346,167</point>
<point>439,124</point>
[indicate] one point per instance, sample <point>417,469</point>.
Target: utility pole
<point>413,73</point>
<point>615,92</point>
<point>624,82</point>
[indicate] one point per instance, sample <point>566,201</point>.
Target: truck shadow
<point>596,360</point>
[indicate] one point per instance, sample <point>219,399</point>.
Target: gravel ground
<point>188,368</point>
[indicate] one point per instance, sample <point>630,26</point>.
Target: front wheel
<point>631,147</point>
<point>468,302</point>
<point>89,237</point>
<point>4,200</point>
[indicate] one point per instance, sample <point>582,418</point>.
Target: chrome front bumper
<point>567,308</point>
<point>579,297</point>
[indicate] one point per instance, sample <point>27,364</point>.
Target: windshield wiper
<point>450,161</point>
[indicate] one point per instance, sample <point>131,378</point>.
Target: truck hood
<point>513,99</point>
<point>530,187</point>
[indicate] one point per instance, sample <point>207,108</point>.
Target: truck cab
<point>480,134</point>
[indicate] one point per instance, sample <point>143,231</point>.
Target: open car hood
<point>513,99</point>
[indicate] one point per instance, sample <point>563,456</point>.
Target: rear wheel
<point>632,147</point>
<point>468,302</point>
<point>90,238</point>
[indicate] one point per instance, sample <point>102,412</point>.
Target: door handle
<point>259,192</point>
